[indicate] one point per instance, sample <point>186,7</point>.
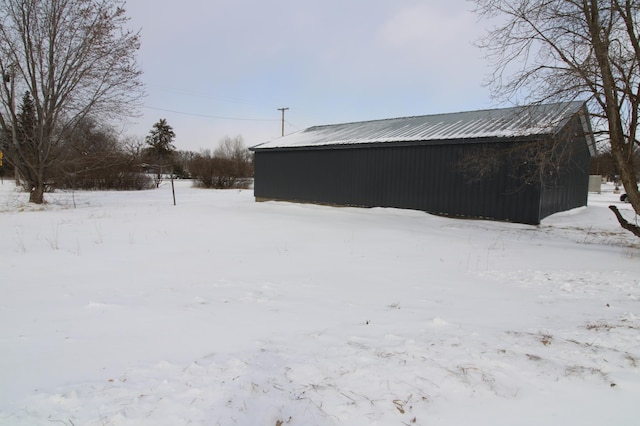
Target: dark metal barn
<point>479,164</point>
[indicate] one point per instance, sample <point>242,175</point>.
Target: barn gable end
<point>415,163</point>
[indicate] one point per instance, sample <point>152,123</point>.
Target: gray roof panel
<point>494,123</point>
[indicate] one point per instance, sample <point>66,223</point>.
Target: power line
<point>219,117</point>
<point>292,125</point>
<point>201,94</point>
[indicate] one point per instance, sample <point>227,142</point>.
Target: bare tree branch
<point>547,50</point>
<point>76,58</point>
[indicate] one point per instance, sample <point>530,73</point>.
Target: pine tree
<point>161,149</point>
<point>160,140</point>
<point>25,153</point>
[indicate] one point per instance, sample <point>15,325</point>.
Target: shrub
<point>229,166</point>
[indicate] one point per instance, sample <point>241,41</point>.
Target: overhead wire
<point>225,99</point>
<point>219,117</point>
<point>200,94</point>
<point>292,125</point>
<point>208,96</point>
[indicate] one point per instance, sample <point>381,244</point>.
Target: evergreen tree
<point>160,140</point>
<point>160,151</point>
<point>25,153</point>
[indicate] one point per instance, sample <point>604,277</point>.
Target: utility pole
<point>283,110</point>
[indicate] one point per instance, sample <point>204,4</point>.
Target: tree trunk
<point>621,148</point>
<point>36,195</point>
<point>624,223</point>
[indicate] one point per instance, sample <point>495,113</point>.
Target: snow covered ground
<point>127,310</point>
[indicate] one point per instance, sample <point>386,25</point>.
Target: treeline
<point>604,164</point>
<point>97,157</point>
<point>228,166</point>
<point>88,155</point>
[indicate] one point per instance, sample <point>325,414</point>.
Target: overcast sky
<point>216,68</point>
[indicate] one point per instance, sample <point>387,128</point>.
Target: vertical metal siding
<point>570,189</point>
<point>421,177</point>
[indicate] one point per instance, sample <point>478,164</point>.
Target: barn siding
<point>415,163</point>
<point>421,177</point>
<point>571,188</point>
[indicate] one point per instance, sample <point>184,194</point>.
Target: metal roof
<point>501,123</point>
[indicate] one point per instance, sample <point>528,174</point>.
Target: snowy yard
<point>127,310</point>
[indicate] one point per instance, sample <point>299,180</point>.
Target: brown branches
<point>634,229</point>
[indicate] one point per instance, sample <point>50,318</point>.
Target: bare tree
<point>93,157</point>
<point>550,50</point>
<point>234,150</point>
<point>229,166</point>
<point>75,58</point>
<point>543,160</point>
